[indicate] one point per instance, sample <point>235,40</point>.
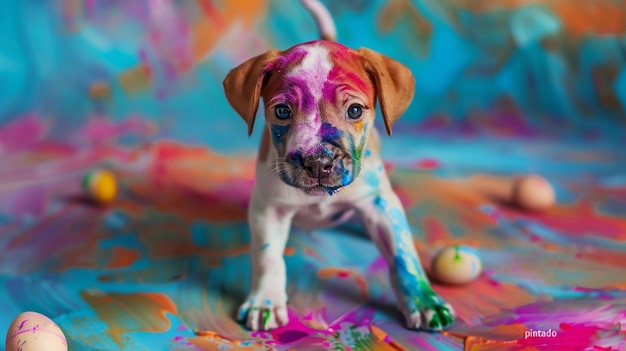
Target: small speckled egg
<point>32,331</point>
<point>533,192</point>
<point>456,265</point>
<point>100,186</point>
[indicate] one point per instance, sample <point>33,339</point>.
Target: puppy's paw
<point>433,318</point>
<point>263,313</point>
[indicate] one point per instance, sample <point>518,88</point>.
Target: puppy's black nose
<point>318,166</point>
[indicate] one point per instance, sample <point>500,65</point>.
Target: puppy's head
<point>320,100</point>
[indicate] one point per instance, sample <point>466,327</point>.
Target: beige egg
<point>32,331</point>
<point>456,265</point>
<point>533,192</point>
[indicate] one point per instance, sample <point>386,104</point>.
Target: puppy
<point>319,165</point>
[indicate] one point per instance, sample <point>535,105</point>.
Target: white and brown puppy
<point>319,165</point>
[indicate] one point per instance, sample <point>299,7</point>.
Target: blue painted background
<point>474,61</point>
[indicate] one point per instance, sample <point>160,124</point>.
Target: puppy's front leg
<point>266,305</point>
<point>387,225</point>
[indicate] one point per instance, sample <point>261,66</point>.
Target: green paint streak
<point>457,256</point>
<point>441,319</point>
<point>86,180</point>
<point>357,152</point>
<point>266,316</point>
<point>363,341</point>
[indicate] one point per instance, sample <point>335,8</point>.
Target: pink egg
<point>32,331</point>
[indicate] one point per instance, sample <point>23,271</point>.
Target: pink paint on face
<point>342,81</point>
<point>303,85</point>
<point>346,75</point>
<point>288,61</point>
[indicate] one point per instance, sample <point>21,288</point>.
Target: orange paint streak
<point>290,251</point>
<point>579,219</point>
<point>210,12</point>
<point>167,250</point>
<point>359,126</point>
<point>579,18</point>
<point>122,257</point>
<point>206,33</point>
<point>193,182</point>
<point>211,334</point>
<point>601,17</point>
<point>458,200</point>
<point>483,297</point>
<point>362,284</point>
<point>84,254</point>
<point>435,231</point>
<point>205,37</point>
<point>473,343</point>
<point>136,79</point>
<point>343,274</point>
<point>312,253</point>
<point>215,343</point>
<point>501,332</point>
<point>126,313</point>
<point>620,286</point>
<point>604,256</point>
<point>395,11</point>
<point>382,341</point>
<point>28,235</point>
<point>332,272</point>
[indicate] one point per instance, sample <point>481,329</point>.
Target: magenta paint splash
<point>299,94</point>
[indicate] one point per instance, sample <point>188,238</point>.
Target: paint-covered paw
<point>434,318</point>
<point>263,313</point>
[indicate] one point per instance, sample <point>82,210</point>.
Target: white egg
<point>533,192</point>
<point>32,331</point>
<point>456,265</point>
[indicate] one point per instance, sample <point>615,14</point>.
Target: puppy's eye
<point>354,111</point>
<point>282,111</point>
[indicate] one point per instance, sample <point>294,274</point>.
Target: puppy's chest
<point>323,215</point>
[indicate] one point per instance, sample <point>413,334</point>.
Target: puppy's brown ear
<point>394,84</point>
<point>243,84</point>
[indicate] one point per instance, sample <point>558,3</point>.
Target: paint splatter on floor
<point>166,265</point>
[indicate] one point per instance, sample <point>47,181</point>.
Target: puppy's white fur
<point>275,205</point>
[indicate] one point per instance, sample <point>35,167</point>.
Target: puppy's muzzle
<point>318,166</point>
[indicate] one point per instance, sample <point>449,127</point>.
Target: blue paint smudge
<point>116,220</point>
<point>411,280</point>
<point>265,246</point>
<point>372,179</point>
<point>279,132</point>
<point>295,158</point>
<point>200,233</point>
<point>242,314</point>
<point>409,275</point>
<point>346,176</point>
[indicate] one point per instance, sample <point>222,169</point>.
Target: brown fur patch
<point>266,144</point>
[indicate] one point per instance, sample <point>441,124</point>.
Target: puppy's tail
<point>324,20</point>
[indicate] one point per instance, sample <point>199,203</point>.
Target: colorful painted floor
<point>169,257</point>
